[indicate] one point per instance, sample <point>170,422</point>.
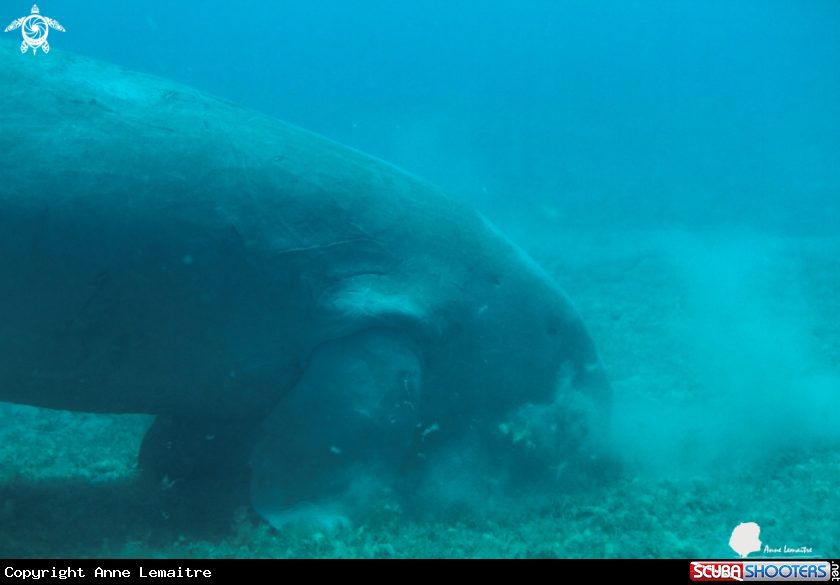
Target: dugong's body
<point>166,252</point>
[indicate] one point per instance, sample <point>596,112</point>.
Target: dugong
<point>280,301</point>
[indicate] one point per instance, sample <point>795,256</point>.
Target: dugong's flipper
<point>348,423</point>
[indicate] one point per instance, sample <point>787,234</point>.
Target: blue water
<point>675,165</point>
<point>621,112</point>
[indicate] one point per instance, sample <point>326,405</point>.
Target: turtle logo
<point>35,30</point>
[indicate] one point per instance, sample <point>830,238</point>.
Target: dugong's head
<point>476,374</point>
<point>516,376</point>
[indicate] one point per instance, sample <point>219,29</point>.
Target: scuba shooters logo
<point>35,29</point>
<point>790,571</point>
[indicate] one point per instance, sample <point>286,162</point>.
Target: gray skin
<point>163,251</point>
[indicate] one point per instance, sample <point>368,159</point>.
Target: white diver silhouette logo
<point>35,30</point>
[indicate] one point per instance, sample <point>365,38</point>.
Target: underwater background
<point>675,166</point>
